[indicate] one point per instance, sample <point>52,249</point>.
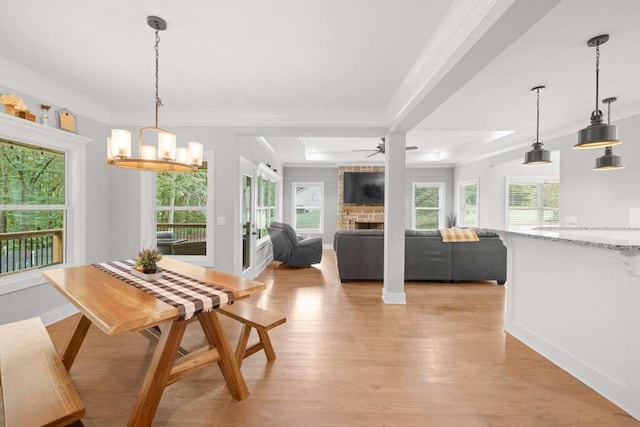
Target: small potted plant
<point>147,259</point>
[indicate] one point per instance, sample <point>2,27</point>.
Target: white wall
<point>256,153</point>
<point>428,175</point>
<point>600,198</point>
<point>491,174</point>
<point>125,205</point>
<point>43,299</point>
<point>227,148</point>
<point>327,175</point>
<point>596,198</point>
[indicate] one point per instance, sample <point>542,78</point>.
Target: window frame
<point>294,212</point>
<point>531,180</point>
<point>441,202</point>
<point>461,185</point>
<point>148,209</point>
<point>74,148</point>
<point>263,173</point>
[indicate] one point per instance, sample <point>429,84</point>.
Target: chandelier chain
<point>157,49</point>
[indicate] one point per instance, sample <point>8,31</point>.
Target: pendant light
<point>166,157</point>
<point>608,161</point>
<point>597,134</point>
<point>537,155</point>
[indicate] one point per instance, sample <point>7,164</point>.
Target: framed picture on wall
<point>66,120</point>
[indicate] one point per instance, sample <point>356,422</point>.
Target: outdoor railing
<point>30,249</point>
<point>190,232</point>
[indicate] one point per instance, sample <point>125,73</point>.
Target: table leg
<point>157,375</point>
<point>72,347</point>
<point>215,335</point>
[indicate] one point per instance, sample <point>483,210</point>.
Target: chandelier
<point>163,158</point>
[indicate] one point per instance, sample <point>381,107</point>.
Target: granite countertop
<point>616,238</point>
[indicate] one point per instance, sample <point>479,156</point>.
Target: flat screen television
<point>364,188</point>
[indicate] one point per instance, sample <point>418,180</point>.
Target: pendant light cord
<point>538,115</point>
<point>609,112</point>
<point>158,101</point>
<point>597,75</point>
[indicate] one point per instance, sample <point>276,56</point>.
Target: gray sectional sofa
<point>360,256</point>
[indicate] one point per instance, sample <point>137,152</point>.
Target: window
<point>468,203</point>
<point>32,207</point>
<point>533,202</point>
<point>181,211</point>
<point>308,206</point>
<point>428,205</point>
<point>266,206</point>
<point>71,248</point>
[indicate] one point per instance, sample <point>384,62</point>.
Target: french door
<point>247,219</point>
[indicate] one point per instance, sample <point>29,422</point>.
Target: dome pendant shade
<point>608,161</point>
<point>537,155</point>
<point>598,134</point>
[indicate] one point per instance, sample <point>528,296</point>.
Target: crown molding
<point>21,130</point>
<point>255,117</point>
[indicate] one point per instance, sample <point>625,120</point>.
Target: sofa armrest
<point>311,242</point>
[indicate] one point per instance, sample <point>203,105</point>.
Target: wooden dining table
<point>116,307</point>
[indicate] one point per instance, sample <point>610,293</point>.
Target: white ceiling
<point>319,79</point>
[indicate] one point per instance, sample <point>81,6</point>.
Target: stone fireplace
<point>358,216</point>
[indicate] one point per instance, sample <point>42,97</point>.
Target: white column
<point>394,225</point>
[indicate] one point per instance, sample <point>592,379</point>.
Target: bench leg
<point>266,344</point>
<point>242,344</point>
<point>75,342</point>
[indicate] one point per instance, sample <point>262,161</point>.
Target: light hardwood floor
<point>345,358</point>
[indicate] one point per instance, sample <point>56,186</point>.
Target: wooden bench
<point>253,317</point>
<point>36,387</point>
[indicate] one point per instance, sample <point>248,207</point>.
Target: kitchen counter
<point>573,295</point>
<point>616,238</point>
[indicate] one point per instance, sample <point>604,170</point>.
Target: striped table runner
<point>458,235</point>
<point>190,296</point>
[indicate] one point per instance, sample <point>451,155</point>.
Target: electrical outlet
<point>634,217</point>
<point>573,220</point>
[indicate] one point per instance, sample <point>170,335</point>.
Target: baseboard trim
<point>258,269</point>
<point>394,297</point>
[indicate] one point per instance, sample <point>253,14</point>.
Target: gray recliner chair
<point>291,249</point>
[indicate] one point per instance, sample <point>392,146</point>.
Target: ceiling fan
<point>380,148</point>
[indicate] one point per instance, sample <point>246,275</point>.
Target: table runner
<point>458,235</point>
<point>189,296</point>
